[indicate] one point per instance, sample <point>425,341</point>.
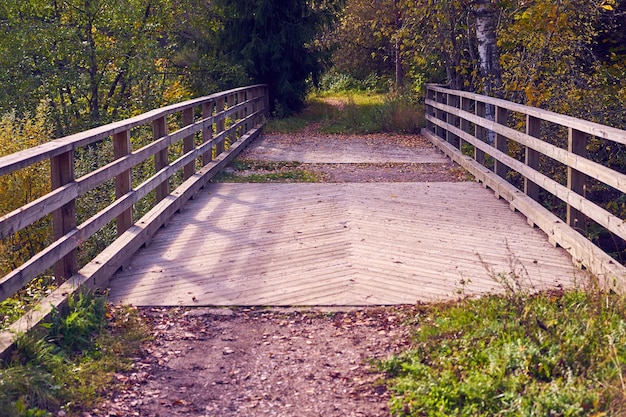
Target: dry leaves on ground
<point>262,362</point>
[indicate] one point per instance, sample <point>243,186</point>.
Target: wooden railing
<point>514,142</point>
<point>206,126</point>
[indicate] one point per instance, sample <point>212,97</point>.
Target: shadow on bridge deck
<point>340,244</point>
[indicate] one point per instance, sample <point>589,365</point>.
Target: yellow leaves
<point>27,184</point>
<point>176,92</point>
<point>608,5</point>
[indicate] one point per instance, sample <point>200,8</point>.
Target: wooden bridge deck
<point>339,244</point>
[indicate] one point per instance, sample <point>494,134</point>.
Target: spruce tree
<point>272,39</point>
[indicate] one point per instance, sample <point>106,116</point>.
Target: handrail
<point>244,110</point>
<point>458,118</point>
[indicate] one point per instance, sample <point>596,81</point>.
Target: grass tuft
<point>521,354</point>
<point>69,362</point>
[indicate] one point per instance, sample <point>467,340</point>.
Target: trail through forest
<point>280,361</point>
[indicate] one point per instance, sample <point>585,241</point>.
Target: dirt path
<point>280,362</point>
<point>262,362</point>
<point>358,158</point>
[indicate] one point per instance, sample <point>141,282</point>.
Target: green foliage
<point>14,307</point>
<point>95,61</point>
<point>47,371</point>
<point>73,332</point>
<point>273,41</point>
<point>264,171</point>
<point>515,355</point>
<point>23,186</point>
<point>355,112</point>
<point>282,176</point>
<point>335,82</point>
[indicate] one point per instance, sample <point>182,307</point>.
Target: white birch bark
<point>488,53</point>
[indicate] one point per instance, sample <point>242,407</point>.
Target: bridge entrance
<point>341,243</point>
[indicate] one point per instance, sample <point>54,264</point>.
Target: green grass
<point>16,306</point>
<point>354,113</point>
<point>265,171</point>
<point>516,355</point>
<point>67,363</point>
<point>282,176</point>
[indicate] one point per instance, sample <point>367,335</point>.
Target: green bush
<point>67,362</point>
<point>516,355</point>
<point>335,82</point>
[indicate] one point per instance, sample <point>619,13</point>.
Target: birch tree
<point>487,48</point>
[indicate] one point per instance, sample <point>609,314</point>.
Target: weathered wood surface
<point>445,119</point>
<point>356,150</point>
<point>339,244</point>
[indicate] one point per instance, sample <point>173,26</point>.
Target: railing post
<point>123,185</point>
<point>266,101</point>
<point>219,125</point>
<point>188,143</point>
<point>533,128</point>
<point>441,98</point>
<point>232,102</point>
<point>161,158</point>
<point>480,132</point>
<point>451,119</point>
<point>466,104</point>
<point>243,112</point>
<point>64,218</point>
<point>501,143</point>
<point>576,144</point>
<point>207,131</point>
<point>430,110</point>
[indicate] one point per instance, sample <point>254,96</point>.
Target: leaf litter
<point>262,362</point>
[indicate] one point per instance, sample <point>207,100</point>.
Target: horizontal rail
<point>457,118</point>
<point>591,128</point>
<point>226,119</point>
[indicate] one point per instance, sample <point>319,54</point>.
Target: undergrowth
<point>354,112</point>
<point>67,363</point>
<point>518,354</point>
<point>265,171</point>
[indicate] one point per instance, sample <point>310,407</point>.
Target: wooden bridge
<point>315,244</point>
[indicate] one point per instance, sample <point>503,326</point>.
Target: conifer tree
<point>273,40</point>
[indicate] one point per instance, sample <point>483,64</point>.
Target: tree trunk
<point>397,49</point>
<point>488,55</point>
<point>487,48</point>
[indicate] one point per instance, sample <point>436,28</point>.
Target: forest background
<point>69,65</point>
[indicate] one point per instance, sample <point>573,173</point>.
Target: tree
<point>369,39</point>
<point>89,58</point>
<point>487,49</point>
<point>273,40</point>
<point>24,186</point>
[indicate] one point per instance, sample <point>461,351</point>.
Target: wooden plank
<point>40,262</point>
<point>531,156</point>
<point>207,131</point>
<point>97,273</point>
<point>480,132</point>
<point>576,180</point>
<point>22,159</point>
<point>219,124</point>
<point>188,142</point>
<point>246,244</point>
<point>610,274</point>
<point>37,209</point>
<point>63,218</point>
<point>588,208</point>
<point>591,128</point>
<point>123,183</point>
<point>604,174</point>
<point>501,143</point>
<point>161,158</point>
